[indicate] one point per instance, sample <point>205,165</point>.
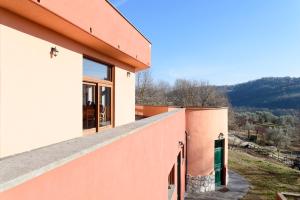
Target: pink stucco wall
<point>148,111</point>
<point>116,31</point>
<point>203,128</point>
<point>134,167</point>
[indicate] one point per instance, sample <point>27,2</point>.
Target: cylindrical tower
<point>207,148</point>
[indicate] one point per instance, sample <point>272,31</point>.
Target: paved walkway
<point>237,188</point>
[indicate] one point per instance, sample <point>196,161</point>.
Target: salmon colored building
<point>68,127</point>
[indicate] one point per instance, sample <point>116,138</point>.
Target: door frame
<point>179,176</point>
<point>111,107</point>
<point>103,83</point>
<point>223,175</point>
<point>95,93</point>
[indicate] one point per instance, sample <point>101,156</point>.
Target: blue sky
<point>220,41</point>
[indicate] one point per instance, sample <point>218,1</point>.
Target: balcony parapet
<point>18,169</point>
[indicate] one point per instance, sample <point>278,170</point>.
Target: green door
<point>219,152</point>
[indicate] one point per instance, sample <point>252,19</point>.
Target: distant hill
<point>272,93</point>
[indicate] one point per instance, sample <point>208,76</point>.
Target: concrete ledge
<point>206,108</point>
<point>17,169</point>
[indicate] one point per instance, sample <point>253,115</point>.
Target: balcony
<point>129,162</point>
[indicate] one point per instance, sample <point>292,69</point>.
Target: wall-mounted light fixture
<point>221,136</point>
<point>128,74</point>
<point>53,52</point>
<point>181,144</point>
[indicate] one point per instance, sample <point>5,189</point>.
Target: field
<point>266,178</point>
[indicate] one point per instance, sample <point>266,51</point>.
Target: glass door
<point>98,85</point>
<point>89,107</point>
<point>105,106</point>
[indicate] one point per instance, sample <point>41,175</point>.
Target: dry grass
<point>266,178</point>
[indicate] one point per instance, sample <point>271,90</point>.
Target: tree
<point>266,117</point>
<point>286,120</point>
<point>241,119</point>
<point>144,86</point>
<point>279,137</point>
<point>160,94</point>
<point>196,94</point>
<point>184,93</point>
<point>232,120</point>
<point>149,93</point>
<point>249,127</point>
<point>297,128</point>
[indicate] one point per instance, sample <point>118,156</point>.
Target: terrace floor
<point>237,188</point>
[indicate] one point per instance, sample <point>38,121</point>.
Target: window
<point>96,70</point>
<point>97,96</point>
<point>171,178</point>
<point>171,183</point>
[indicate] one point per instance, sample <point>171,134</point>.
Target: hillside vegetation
<point>266,93</point>
<point>266,178</point>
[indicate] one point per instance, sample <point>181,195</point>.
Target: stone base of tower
<point>200,184</point>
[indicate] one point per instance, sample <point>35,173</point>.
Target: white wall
<point>40,97</point>
<point>124,97</point>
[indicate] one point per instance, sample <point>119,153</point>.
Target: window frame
<point>103,83</point>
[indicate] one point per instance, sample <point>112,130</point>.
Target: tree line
<point>184,93</point>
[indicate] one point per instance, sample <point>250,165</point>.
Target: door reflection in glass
<point>104,106</point>
<point>89,106</point>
